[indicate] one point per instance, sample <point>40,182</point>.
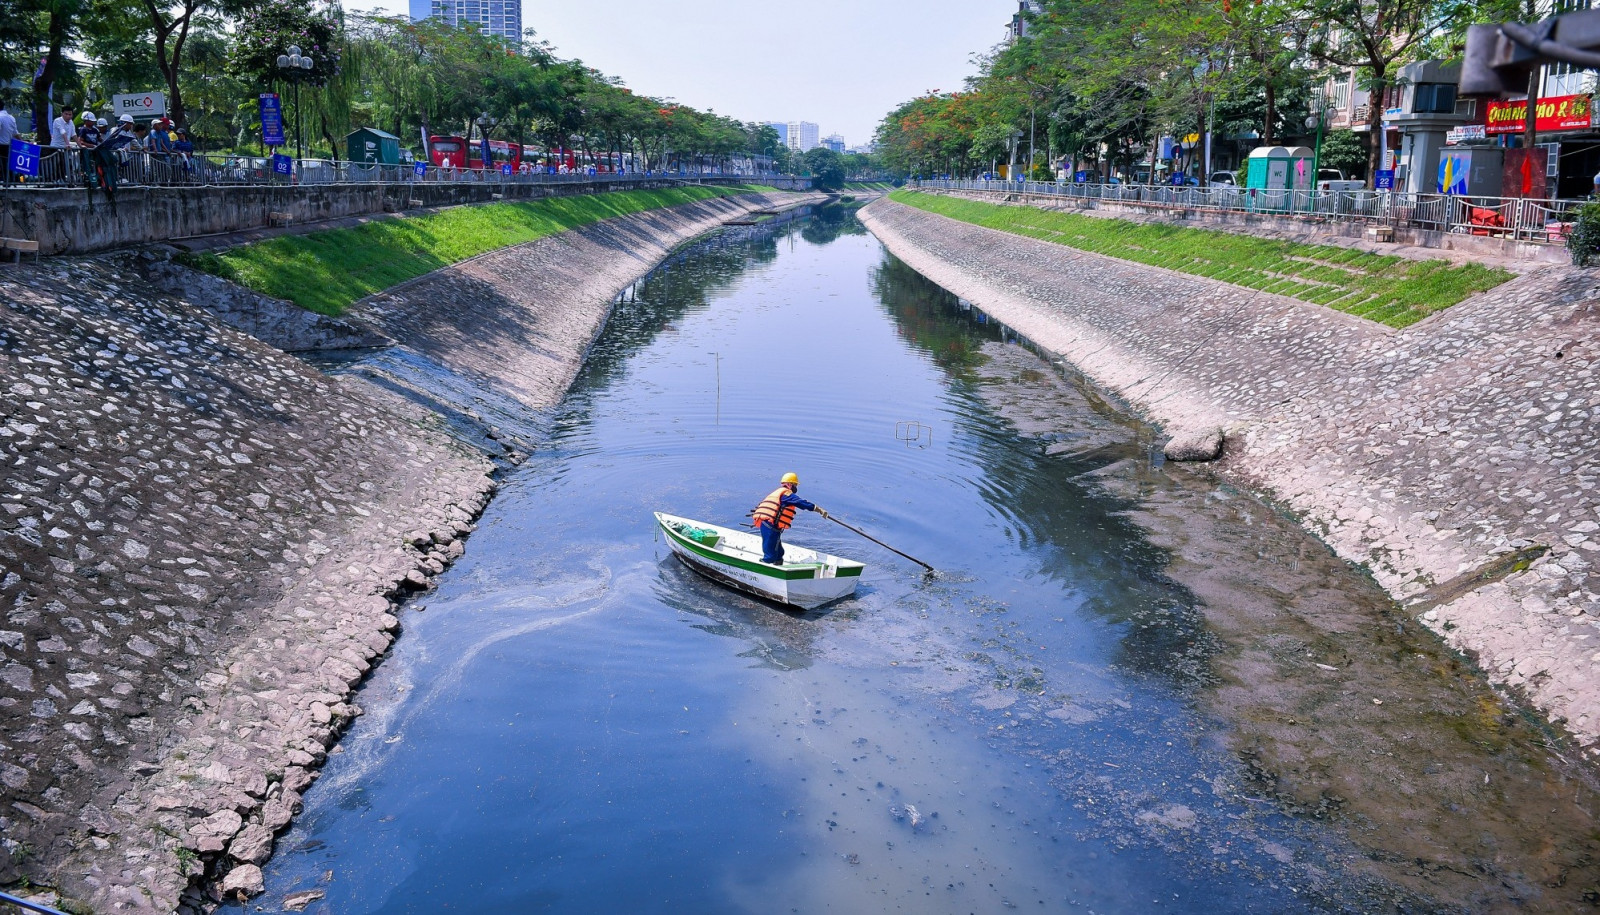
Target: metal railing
<point>1539,221</point>
<point>25,905</point>
<point>145,169</point>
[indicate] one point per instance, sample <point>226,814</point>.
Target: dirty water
<point>1129,688</point>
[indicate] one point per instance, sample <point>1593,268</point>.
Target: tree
<point>1343,150</point>
<point>826,166</point>
<point>1371,37</point>
<point>61,24</point>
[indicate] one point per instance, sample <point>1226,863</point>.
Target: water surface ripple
<point>576,723</point>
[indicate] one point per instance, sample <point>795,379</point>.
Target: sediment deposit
<point>205,543</point>
<point>1440,457</point>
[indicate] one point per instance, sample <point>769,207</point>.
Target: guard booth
<point>1279,168</point>
<point>371,146</point>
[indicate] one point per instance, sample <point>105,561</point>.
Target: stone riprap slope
<point>1428,455</point>
<point>511,311</point>
<point>203,543</point>
<point>200,538</point>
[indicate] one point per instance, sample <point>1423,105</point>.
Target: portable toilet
<point>1279,168</point>
<point>371,146</point>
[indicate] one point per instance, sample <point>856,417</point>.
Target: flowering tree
<point>276,24</point>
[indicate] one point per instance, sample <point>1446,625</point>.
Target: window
<point>1434,98</point>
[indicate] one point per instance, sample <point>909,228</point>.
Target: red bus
<point>453,152</point>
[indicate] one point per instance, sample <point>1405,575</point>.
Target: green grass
<point>1390,290</point>
<point>329,271</point>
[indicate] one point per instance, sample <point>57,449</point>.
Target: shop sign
<point>1466,133</point>
<point>1561,112</point>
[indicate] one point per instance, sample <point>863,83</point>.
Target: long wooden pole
<point>880,543</point>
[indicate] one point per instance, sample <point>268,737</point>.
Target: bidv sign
<point>140,104</point>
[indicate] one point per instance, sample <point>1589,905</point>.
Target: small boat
<point>806,579</point>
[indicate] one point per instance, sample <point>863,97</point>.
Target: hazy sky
<point>840,63</point>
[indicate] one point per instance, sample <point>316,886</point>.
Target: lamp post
<point>296,67</point>
<point>484,122</point>
<point>1318,118</point>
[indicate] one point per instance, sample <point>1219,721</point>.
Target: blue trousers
<point>771,544</point>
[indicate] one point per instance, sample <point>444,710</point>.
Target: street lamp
<point>484,122</point>
<point>295,67</point>
<point>1318,118</point>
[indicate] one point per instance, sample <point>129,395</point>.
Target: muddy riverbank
<point>205,541</point>
<point>1427,456</point>
<point>1344,710</point>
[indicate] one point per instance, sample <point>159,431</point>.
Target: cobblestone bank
<point>1431,455</point>
<point>512,312</point>
<point>204,543</point>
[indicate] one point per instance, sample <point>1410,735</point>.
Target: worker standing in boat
<point>774,515</point>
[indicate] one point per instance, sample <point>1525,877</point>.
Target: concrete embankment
<point>1442,457</point>
<point>205,542</point>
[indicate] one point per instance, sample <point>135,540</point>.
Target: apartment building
<point>495,17</point>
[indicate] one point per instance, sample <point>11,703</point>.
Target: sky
<point>842,64</point>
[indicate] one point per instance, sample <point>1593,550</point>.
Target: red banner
<point>1560,112</point>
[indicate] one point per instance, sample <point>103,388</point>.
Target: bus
<point>454,152</point>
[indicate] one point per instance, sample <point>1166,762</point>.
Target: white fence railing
<point>144,169</point>
<point>1542,221</point>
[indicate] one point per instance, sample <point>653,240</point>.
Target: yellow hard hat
<point>790,478</point>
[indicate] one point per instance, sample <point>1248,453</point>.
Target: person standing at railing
<point>8,131</point>
<point>182,150</point>
<point>61,137</point>
<point>89,137</point>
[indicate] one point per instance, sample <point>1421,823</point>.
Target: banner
<point>271,119</point>
<point>1452,174</point>
<point>1559,112</point>
<point>24,159</point>
<point>282,165</point>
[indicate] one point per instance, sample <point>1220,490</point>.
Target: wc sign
<point>140,104</point>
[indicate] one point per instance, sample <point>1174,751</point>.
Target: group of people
<point>99,145</point>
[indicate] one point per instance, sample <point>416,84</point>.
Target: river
<point>574,722</point>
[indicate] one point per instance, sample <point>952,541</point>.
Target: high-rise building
<point>1018,26</point>
<point>834,142</point>
<point>782,127</point>
<point>802,136</point>
<point>495,17</point>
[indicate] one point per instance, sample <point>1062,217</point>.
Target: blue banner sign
<point>505,168</point>
<point>271,119</point>
<point>24,159</point>
<point>1383,179</point>
<point>282,165</point>
<point>419,169</point>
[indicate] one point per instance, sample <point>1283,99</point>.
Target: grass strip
<point>329,271</point>
<point>1391,290</point>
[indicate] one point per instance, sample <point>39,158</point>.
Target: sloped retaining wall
<point>1439,457</point>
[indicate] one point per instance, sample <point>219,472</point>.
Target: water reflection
<point>577,723</point>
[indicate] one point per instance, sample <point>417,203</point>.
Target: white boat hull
<point>806,579</point>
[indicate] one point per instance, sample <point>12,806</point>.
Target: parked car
<point>1223,178</point>
<point>1331,179</point>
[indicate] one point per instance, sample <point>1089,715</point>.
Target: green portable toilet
<point>1279,168</point>
<point>371,146</point>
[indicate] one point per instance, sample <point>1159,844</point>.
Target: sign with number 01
<point>24,159</point>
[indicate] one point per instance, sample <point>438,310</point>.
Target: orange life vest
<point>772,510</point>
